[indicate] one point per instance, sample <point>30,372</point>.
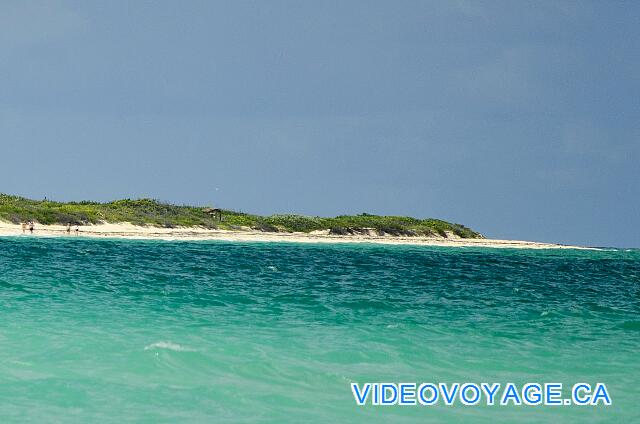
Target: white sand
<point>129,231</point>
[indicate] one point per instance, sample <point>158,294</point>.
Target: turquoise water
<point>153,331</point>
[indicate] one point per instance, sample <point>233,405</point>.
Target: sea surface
<point>156,331</point>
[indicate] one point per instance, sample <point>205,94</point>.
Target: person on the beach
<point>31,226</point>
<point>24,227</point>
<point>68,228</point>
<point>77,230</point>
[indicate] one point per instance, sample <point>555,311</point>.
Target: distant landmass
<point>149,212</point>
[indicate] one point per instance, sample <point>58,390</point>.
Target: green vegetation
<point>154,213</point>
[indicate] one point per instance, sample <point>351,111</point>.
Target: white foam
<point>169,346</point>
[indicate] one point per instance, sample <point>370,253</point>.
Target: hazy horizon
<point>519,120</point>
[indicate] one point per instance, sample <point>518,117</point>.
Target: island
<point>149,218</point>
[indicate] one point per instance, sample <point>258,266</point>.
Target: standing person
<point>31,227</point>
<point>68,228</point>
<point>77,230</point>
<point>24,227</point>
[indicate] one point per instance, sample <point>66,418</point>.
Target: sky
<point>518,119</point>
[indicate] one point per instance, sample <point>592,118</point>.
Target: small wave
<point>630,325</point>
<point>169,346</point>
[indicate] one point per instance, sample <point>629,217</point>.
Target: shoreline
<point>130,231</point>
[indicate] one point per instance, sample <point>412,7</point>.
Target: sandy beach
<point>130,231</point>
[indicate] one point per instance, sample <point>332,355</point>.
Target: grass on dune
<point>151,212</point>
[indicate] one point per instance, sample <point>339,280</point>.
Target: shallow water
<point>153,331</point>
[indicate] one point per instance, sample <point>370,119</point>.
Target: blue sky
<point>519,119</point>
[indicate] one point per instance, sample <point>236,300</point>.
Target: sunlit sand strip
<point>130,231</point>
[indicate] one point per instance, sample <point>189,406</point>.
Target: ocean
<point>158,331</point>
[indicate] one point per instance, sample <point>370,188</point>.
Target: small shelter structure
<point>215,213</point>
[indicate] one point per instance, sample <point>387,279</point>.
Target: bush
<point>153,212</point>
<point>265,227</point>
<point>297,223</point>
<point>340,231</point>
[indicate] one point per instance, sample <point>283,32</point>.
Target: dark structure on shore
<point>215,213</point>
